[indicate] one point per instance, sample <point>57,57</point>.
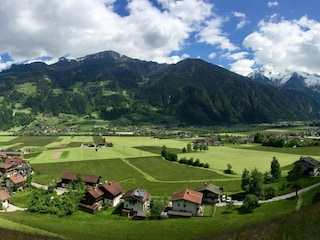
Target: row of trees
<point>195,147</point>
<point>252,183</point>
<point>173,157</point>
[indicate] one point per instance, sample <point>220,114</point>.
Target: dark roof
<point>86,177</point>
<point>4,195</point>
<point>112,187</point>
<point>139,194</point>
<point>209,187</point>
<point>91,178</point>
<point>17,179</point>
<point>95,192</point>
<point>5,165</point>
<point>310,160</point>
<point>188,195</point>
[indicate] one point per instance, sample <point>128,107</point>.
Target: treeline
<point>173,157</point>
<point>280,142</point>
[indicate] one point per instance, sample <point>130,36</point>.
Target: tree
<point>157,205</point>
<point>164,151</point>
<point>296,172</point>
<point>259,137</point>
<point>245,180</point>
<point>229,169</point>
<point>256,181</point>
<point>269,191</point>
<point>250,202</point>
<point>195,147</point>
<point>189,147</point>
<point>275,169</point>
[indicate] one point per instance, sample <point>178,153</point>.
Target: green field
<point>136,162</point>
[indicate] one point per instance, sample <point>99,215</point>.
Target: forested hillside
<point>124,90</point>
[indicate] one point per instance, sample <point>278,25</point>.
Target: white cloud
<point>33,29</point>
<point>242,66</point>
<point>243,19</point>
<point>212,55</point>
<point>273,4</point>
<point>212,34</point>
<point>287,44</point>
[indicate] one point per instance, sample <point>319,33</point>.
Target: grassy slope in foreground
<point>107,225</point>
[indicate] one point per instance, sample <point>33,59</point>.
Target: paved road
<point>278,198</point>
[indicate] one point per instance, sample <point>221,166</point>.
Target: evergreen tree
<point>256,183</point>
<point>275,169</point>
<point>245,181</point>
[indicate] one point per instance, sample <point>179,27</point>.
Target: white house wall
<point>185,206</point>
<point>138,206</point>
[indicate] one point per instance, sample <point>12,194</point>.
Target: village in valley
<point>16,174</point>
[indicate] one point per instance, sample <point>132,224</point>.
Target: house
<point>5,154</point>
<point>112,192</point>
<point>21,166</point>
<point>67,177</point>
<point>4,198</point>
<point>309,165</point>
<point>186,203</point>
<point>136,200</point>
<point>92,201</point>
<point>7,169</point>
<point>211,193</point>
<point>16,180</point>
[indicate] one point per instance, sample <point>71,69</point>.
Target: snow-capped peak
<point>280,77</point>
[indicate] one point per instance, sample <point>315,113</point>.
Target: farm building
<point>7,169</point>
<point>309,165</point>
<point>67,177</point>
<point>4,198</point>
<point>92,201</point>
<point>16,180</point>
<point>112,193</point>
<point>211,193</point>
<point>136,200</point>
<point>186,203</point>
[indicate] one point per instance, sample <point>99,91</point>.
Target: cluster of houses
<point>136,202</point>
<point>14,171</point>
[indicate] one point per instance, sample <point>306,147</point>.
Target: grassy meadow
<point>136,162</point>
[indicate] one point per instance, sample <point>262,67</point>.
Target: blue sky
<point>239,35</point>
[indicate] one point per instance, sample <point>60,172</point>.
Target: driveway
<point>13,208</point>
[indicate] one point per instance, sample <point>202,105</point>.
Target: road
<point>278,198</point>
<point>13,208</point>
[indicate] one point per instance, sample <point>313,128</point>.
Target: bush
<point>250,202</point>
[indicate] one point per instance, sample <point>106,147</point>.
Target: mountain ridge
<point>123,90</point>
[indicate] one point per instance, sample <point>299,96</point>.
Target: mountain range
<point>288,79</point>
<point>115,87</point>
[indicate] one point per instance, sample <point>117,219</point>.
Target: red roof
<point>188,195</point>
<point>113,187</point>
<point>17,178</point>
<point>13,160</point>
<point>4,195</point>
